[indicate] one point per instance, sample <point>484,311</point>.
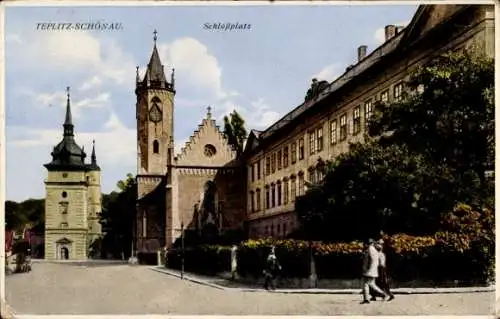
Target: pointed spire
<point>209,112</point>
<point>93,157</point>
<point>155,72</point>
<point>68,121</point>
<point>137,78</point>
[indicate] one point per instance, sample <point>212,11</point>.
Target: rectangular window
<point>64,207</point>
<point>258,170</point>
<point>273,195</point>
<point>384,96</point>
<point>268,198</point>
<point>398,92</point>
<point>285,157</point>
<point>368,112</point>
<point>252,202</point>
<point>294,152</point>
<point>343,127</point>
<point>319,175</point>
<point>258,199</point>
<point>312,142</point>
<point>144,224</point>
<point>312,176</point>
<point>319,139</point>
<point>268,166</point>
<point>273,163</point>
<point>293,189</point>
<point>333,132</point>
<point>279,194</point>
<point>301,185</point>
<point>253,172</point>
<point>301,148</point>
<point>356,120</point>
<point>285,192</point>
<point>280,159</point>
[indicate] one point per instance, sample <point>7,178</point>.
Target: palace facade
<point>283,158</point>
<point>208,189</point>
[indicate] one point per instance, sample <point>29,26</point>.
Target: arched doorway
<point>64,253</point>
<point>63,249</point>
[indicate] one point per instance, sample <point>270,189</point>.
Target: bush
<point>208,260</point>
<point>445,256</point>
<point>463,250</point>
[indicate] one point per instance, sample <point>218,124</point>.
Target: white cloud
<point>114,145</point>
<point>77,52</point>
<point>91,83</point>
<point>329,73</point>
<point>193,61</point>
<point>379,34</point>
<point>257,115</point>
<point>263,115</point>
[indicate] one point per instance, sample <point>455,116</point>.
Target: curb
<point>396,291</point>
<point>188,278</point>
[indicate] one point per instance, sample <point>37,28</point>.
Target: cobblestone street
<point>124,289</point>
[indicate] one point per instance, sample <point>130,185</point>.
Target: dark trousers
<point>269,281</point>
<point>382,282</point>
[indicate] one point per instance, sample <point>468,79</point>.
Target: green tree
<point>447,113</point>
<point>29,213</point>
<point>234,130</point>
<point>118,211</point>
<point>428,152</point>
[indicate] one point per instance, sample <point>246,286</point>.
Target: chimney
<point>361,52</point>
<point>390,32</point>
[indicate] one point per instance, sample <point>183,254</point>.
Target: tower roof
<point>93,158</point>
<point>67,154</point>
<point>155,73</point>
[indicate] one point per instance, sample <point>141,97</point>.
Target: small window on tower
<point>64,175</point>
<point>64,194</point>
<point>156,147</point>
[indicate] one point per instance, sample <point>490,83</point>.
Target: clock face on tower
<point>209,150</point>
<point>155,114</point>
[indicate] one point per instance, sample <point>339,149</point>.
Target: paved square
<point>123,289</point>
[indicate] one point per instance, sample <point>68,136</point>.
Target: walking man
<point>382,281</point>
<point>271,270</point>
<point>370,272</point>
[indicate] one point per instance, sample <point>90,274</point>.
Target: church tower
<point>73,198</point>
<point>155,148</point>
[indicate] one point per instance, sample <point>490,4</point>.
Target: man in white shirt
<point>370,272</point>
<point>382,281</point>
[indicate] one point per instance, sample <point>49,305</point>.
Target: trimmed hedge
<point>464,251</point>
<point>442,257</point>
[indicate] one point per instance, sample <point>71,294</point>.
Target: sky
<point>263,72</point>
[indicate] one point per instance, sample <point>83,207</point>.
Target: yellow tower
<point>72,200</point>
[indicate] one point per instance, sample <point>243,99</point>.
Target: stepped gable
<point>207,146</point>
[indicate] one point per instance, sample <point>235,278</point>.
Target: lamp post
<point>182,249</point>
